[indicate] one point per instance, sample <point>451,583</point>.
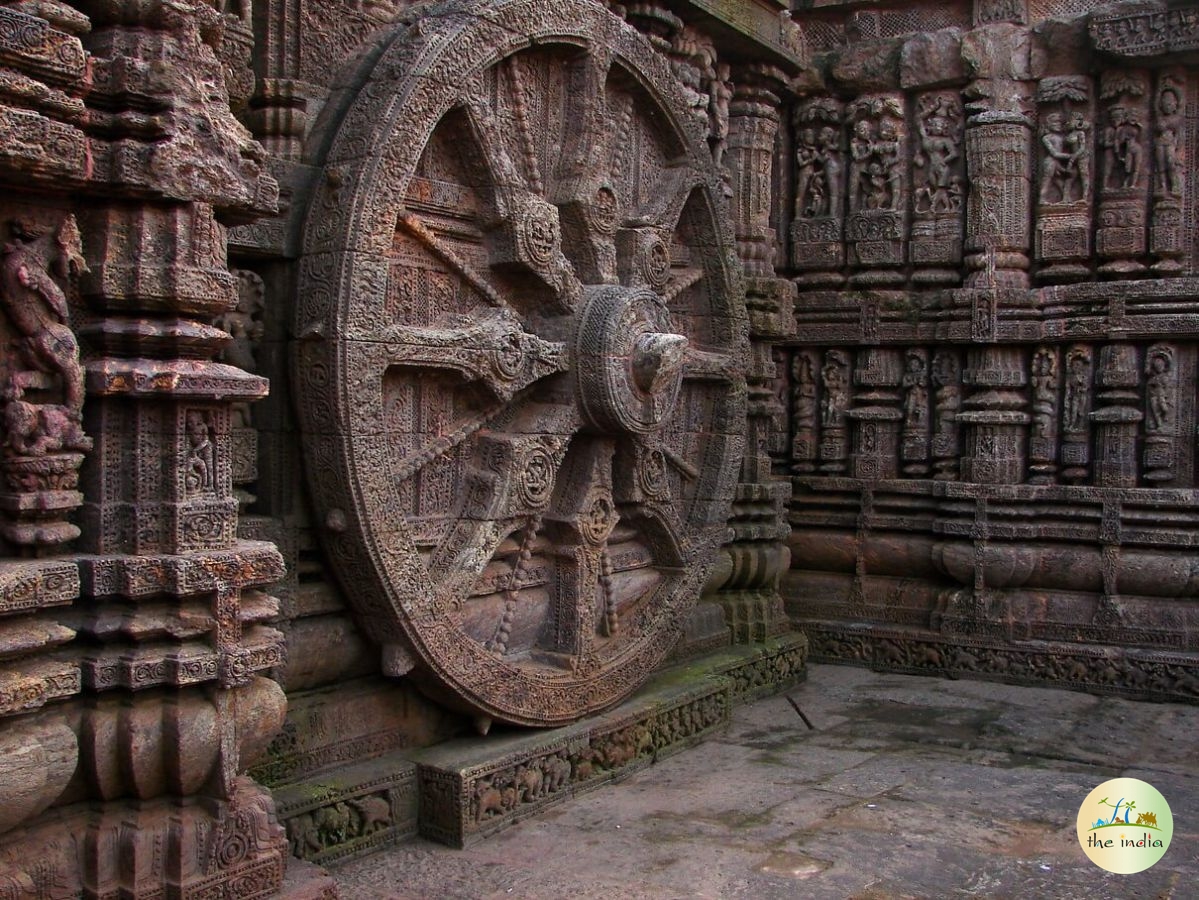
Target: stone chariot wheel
<point>519,357</point>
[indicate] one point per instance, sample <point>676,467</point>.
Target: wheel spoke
<point>503,630</point>
<point>592,137</point>
<point>586,196</point>
<point>417,229</point>
<point>704,365</point>
<point>507,182</point>
<point>665,208</point>
<point>493,349</point>
<point>511,479</point>
<point>680,281</point>
<point>528,230</point>
<point>520,109</point>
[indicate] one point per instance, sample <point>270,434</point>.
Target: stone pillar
<point>172,633</point>
<point>753,127</point>
<point>1117,417</point>
<point>999,159</point>
<point>42,441</point>
<point>877,414</point>
<point>995,416</point>
<point>759,554</point>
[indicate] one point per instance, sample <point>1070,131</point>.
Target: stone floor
<point>905,787</point>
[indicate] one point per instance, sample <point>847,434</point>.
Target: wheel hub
<point>628,360</point>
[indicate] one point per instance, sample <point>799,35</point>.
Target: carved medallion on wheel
<point>520,357</point>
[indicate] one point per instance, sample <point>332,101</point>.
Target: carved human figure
<point>835,378</point>
<point>37,307</point>
<point>915,399</point>
<point>1122,148</point>
<point>1159,390</point>
<point>804,406</point>
<point>807,158</point>
<point>937,154</point>
<point>200,463</point>
<point>890,160</point>
<point>1168,144</point>
<point>244,324</point>
<point>1078,391</point>
<point>720,95</point>
<point>1056,163</point>
<point>1078,145</point>
<point>830,160</point>
<point>986,443</point>
<point>949,392</point>
<point>1044,392</point>
<point>861,152</point>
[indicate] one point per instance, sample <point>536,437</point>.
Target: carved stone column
<point>759,554</point>
<point>998,150</point>
<point>43,80</point>
<point>995,415</point>
<point>877,414</point>
<point>999,161</point>
<point>753,126</point>
<point>172,628</point>
<point>1117,417</point>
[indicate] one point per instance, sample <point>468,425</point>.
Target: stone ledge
<point>1139,674</point>
<point>472,788</point>
<point>351,812</point>
<point>30,585</point>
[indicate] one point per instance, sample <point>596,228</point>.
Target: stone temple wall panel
<point>372,370</point>
<point>989,400</point>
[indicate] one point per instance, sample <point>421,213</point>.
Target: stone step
<point>469,788</point>
<point>350,811</point>
<point>473,787</point>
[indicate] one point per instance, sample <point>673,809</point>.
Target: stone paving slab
<point>908,787</point>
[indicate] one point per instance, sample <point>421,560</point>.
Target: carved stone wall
<point>134,622</point>
<point>989,400</point>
